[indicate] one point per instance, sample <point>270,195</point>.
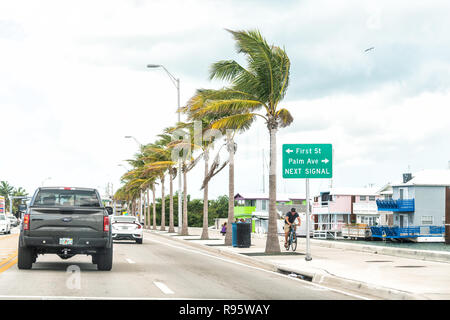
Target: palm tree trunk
<point>140,207</point>
<point>163,206</point>
<point>230,147</point>
<point>184,229</point>
<point>171,226</point>
<point>205,235</point>
<point>273,243</point>
<point>154,207</point>
<point>147,213</point>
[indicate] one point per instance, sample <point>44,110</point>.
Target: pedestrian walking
<point>224,229</point>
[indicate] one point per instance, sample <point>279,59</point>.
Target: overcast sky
<point>74,82</point>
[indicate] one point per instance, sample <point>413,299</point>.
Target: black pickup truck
<point>66,221</point>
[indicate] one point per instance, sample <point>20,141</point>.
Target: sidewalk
<point>340,266</point>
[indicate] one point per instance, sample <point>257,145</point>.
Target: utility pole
<point>176,82</point>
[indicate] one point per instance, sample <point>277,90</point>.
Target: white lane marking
<point>161,286</point>
<point>260,269</point>
<point>94,298</point>
<point>130,261</point>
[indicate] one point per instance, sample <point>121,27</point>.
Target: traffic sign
<point>307,161</point>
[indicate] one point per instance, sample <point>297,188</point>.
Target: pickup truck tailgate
<point>74,223</point>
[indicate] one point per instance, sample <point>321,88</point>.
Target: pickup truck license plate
<point>65,241</point>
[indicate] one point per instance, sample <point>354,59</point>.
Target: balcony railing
<point>396,205</point>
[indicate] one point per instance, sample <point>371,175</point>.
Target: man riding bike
<point>288,221</point>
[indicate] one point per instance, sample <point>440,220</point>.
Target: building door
<point>403,221</point>
<point>403,193</point>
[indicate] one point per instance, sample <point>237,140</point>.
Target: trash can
<point>243,235</point>
<point>233,234</point>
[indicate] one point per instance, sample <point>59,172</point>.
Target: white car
<point>5,224</point>
<point>126,228</point>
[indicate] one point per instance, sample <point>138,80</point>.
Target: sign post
<point>2,205</point>
<point>305,161</point>
<point>308,248</point>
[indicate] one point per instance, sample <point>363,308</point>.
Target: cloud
<point>73,83</point>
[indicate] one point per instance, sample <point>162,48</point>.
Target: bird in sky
<point>371,48</point>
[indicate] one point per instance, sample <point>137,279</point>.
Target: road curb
<point>353,285</point>
<point>318,277</point>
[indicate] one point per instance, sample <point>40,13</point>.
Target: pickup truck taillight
<point>26,222</point>
<point>106,223</point>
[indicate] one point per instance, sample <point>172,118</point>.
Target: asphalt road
<point>156,269</point>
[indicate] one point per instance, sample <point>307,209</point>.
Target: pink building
<point>340,206</point>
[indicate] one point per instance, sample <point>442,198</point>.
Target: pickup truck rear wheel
<point>104,259</point>
<point>25,258</point>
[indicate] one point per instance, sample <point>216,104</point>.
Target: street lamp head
<point>127,137</point>
<point>153,65</point>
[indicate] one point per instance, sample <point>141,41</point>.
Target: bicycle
<point>292,238</point>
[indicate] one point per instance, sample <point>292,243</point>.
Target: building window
<point>362,198</point>
<point>387,197</point>
<point>371,198</point>
<point>331,198</point>
<point>427,220</point>
<point>264,205</point>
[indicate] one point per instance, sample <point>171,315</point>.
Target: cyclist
<point>288,221</point>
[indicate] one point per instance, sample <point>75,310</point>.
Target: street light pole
<point>176,82</point>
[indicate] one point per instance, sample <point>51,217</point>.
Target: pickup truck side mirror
<point>110,210</point>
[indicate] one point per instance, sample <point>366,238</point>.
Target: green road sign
<point>307,161</point>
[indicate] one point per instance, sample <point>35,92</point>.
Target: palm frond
<point>284,117</point>
<point>239,122</point>
<point>229,106</point>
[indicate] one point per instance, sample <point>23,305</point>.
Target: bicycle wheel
<point>293,241</point>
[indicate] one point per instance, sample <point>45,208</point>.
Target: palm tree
<point>206,145</point>
<point>199,107</point>
<point>261,86</point>
<point>158,159</point>
<point>188,162</point>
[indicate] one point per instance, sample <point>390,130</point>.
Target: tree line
<point>7,191</point>
<point>254,92</point>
